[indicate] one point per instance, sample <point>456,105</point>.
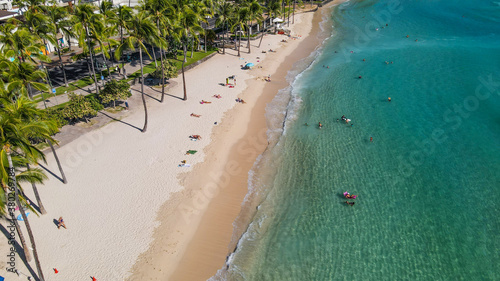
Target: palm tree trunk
<point>121,42</point>
<point>192,49</point>
<point>263,32</point>
<point>37,196</point>
<point>183,77</point>
<point>162,67</point>
<point>162,76</point>
<point>25,218</point>
<point>154,56</point>
<point>30,92</point>
<point>142,94</point>
<point>62,67</point>
<point>239,43</point>
<point>224,41</point>
<point>248,35</point>
<point>92,60</point>
<point>41,62</point>
<point>105,61</point>
<point>27,253</point>
<point>288,17</point>
<point>87,58</point>
<point>65,181</point>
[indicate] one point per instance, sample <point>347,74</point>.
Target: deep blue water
<point>428,184</point>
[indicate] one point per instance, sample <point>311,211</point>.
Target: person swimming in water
<point>320,126</point>
<point>350,203</point>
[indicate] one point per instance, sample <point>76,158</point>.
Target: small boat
<point>347,195</point>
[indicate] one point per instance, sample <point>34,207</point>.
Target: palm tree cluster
<point>153,27</point>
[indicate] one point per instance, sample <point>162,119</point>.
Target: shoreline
<point>219,203</point>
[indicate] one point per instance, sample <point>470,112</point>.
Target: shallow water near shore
<point>428,184</point>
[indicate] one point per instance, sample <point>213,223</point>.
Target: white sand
<point>119,177</point>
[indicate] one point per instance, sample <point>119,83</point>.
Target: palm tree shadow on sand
<point>118,120</point>
<point>50,172</point>
<point>20,253</point>
<point>159,91</point>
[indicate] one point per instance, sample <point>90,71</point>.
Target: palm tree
<point>84,19</point>
<point>38,24</point>
<point>240,22</point>
<point>28,111</point>
<point>15,136</point>
<point>57,19</point>
<point>187,25</point>
<point>224,11</point>
<point>19,42</point>
<point>264,9</point>
<point>107,30</point>
<point>6,148</point>
<point>141,30</point>
<point>255,14</point>
<point>123,16</point>
<point>203,13</point>
<point>273,9</point>
<point>158,10</point>
<point>22,77</point>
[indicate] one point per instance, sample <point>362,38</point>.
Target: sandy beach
<point>133,214</point>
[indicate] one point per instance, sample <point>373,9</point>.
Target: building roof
<point>6,14</point>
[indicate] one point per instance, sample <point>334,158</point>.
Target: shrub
<point>114,90</point>
<point>170,70</point>
<point>80,108</point>
<point>57,115</point>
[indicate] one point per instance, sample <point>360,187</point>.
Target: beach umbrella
<point>20,217</point>
<point>249,64</point>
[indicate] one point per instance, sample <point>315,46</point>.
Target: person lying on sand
<point>217,96</point>
<point>203,101</point>
<point>240,100</point>
<point>195,137</point>
<point>60,222</point>
<point>195,115</point>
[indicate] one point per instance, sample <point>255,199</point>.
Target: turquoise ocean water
<point>428,184</point>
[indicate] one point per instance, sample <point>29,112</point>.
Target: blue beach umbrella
<point>20,217</point>
<point>249,64</point>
